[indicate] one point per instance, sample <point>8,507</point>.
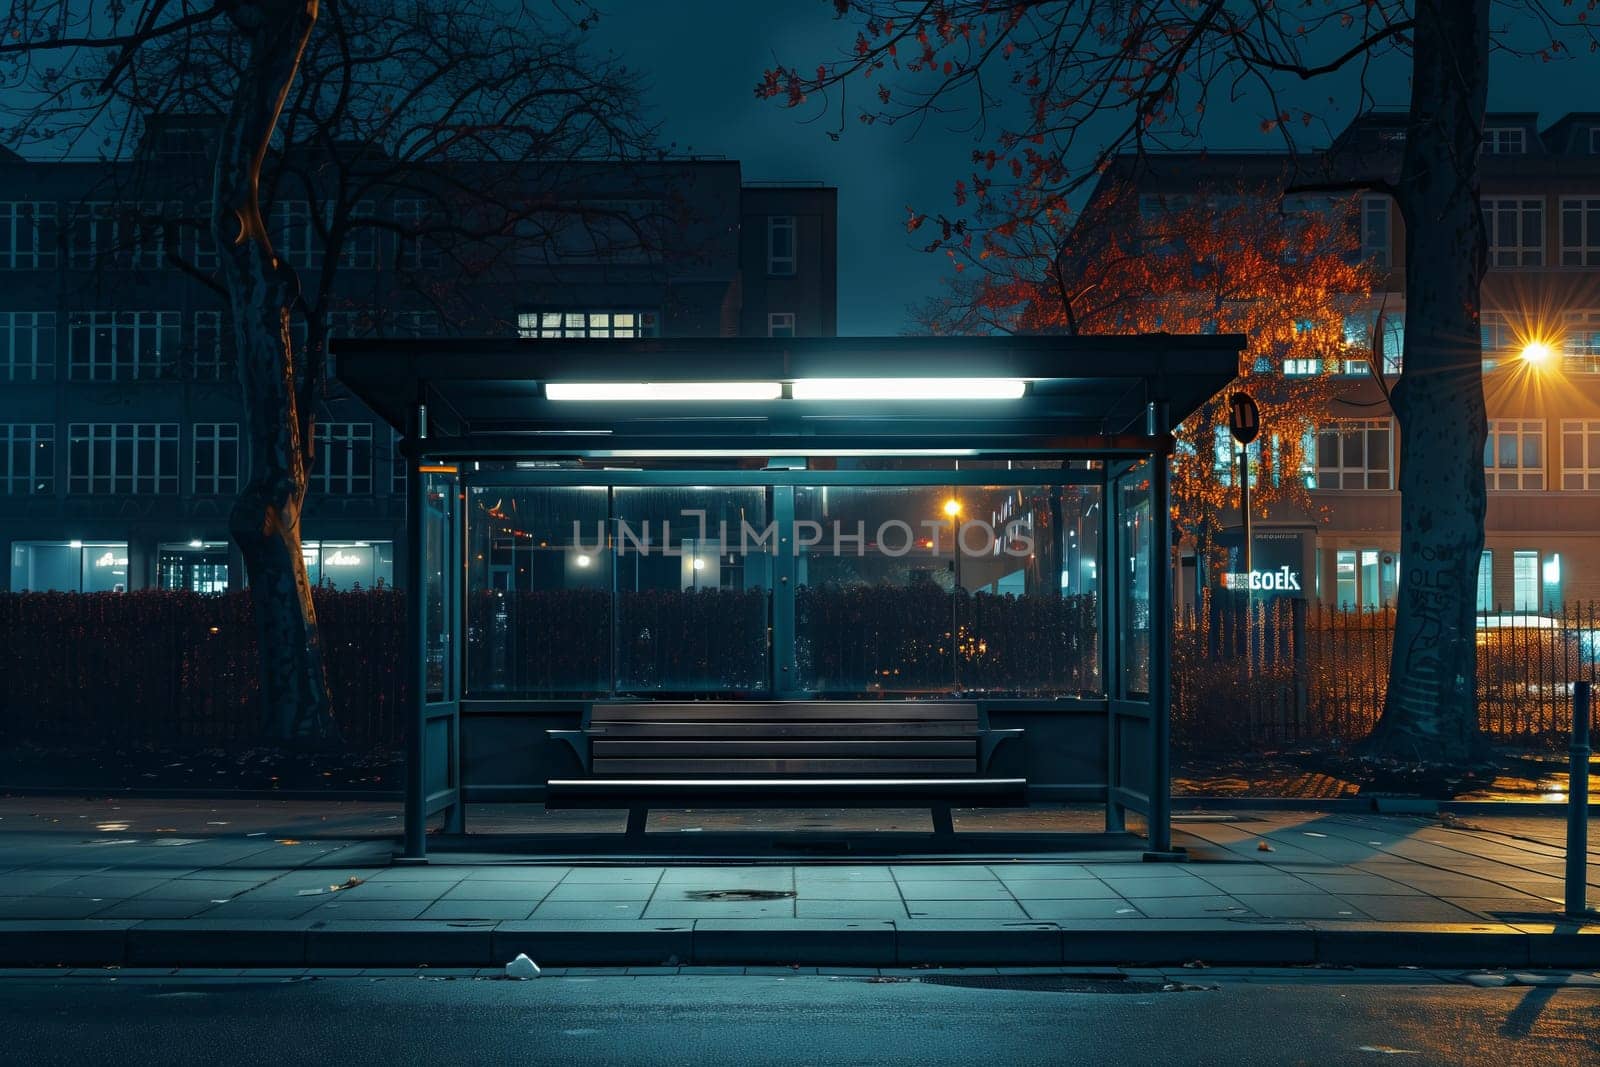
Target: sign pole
<point>1244,423</point>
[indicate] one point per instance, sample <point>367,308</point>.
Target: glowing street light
<point>1536,353</point>
<point>583,561</point>
<point>952,507</point>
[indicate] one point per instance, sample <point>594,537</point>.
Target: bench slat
<point>742,730</point>
<point>688,766</point>
<point>879,749</point>
<point>801,710</point>
<point>785,792</point>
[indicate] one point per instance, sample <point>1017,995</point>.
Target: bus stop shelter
<point>722,519</point>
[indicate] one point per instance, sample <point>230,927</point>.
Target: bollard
<point>1578,804</point>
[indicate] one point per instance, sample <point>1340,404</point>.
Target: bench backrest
<point>776,738</point>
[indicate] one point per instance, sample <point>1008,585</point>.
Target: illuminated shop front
<point>69,566</point>
<point>349,564</point>
<point>790,520</point>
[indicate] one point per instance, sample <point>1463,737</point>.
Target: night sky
<point>704,57</point>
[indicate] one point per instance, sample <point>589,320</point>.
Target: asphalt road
<point>747,1020</point>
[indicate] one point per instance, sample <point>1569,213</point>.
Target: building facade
<point>1540,191</point>
<point>121,415</point>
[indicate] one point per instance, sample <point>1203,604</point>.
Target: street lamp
<point>1536,353</point>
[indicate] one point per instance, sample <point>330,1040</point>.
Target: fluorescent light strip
<point>663,391</point>
<point>707,453</point>
<point>908,388</point>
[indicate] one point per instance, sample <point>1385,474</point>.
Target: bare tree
<point>488,120</point>
<point>1061,87</point>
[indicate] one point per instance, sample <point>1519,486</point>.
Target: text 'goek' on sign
<point>1282,580</point>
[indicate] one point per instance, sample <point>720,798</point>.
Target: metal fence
<point>1286,670</point>
<point>171,666</point>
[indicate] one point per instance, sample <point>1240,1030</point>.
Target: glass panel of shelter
<point>911,590</point>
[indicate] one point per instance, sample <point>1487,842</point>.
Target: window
<point>1302,368</point>
<point>1580,231</point>
<point>1355,454</point>
<point>1497,336</point>
<point>121,346</point>
<point>349,564</point>
<point>211,363</point>
<point>1505,141</point>
<point>293,236</point>
<point>69,566</point>
<point>1361,329</point>
<point>1486,581</point>
<point>416,323</point>
<point>780,324</point>
<point>1513,456</point>
<point>28,346</point>
<point>122,457</point>
<point>1580,454</point>
<point>344,458</point>
<point>205,247</point>
<point>1583,341</point>
<point>358,250</point>
<point>28,461</point>
<point>121,235</point>
<point>588,324</point>
<point>397,464</point>
<point>1375,230</point>
<point>27,235</point>
<point>1524,580</point>
<point>780,245</point>
<point>216,458</point>
<point>1515,226</point>
<point>413,250</point>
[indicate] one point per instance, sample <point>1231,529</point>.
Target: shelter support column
<point>1159,842</point>
<point>416,817</point>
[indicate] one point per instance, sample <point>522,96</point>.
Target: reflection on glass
<point>438,498</point>
<point>943,589</point>
<point>1134,556</point>
<point>692,589</point>
<point>538,599</point>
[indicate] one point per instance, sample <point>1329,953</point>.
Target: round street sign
<point>1244,418</point>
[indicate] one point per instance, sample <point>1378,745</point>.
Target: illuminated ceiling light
<point>699,564</point>
<point>583,561</point>
<point>1537,353</point>
<point>197,543</point>
<point>952,507</point>
<point>74,544</point>
<point>909,388</point>
<point>663,391</point>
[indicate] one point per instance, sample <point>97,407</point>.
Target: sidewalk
<point>148,883</point>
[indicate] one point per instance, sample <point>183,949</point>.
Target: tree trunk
<point>1430,713</point>
<point>265,520</point>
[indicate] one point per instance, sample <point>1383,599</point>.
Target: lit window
<point>1524,580</point>
<point>780,245</point>
<point>617,325</point>
<point>1513,455</point>
<point>1582,334</point>
<point>780,324</point>
<point>1486,581</point>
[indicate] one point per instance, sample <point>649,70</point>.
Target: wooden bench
<point>785,754</point>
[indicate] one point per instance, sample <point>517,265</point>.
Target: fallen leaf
<point>349,883</point>
<point>1262,846</point>
<point>287,841</point>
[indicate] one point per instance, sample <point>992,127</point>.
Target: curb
<point>766,942</point>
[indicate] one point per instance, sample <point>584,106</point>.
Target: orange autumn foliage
<point>1284,272</point>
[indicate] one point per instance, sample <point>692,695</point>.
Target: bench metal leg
<point>943,824</point>
<point>636,821</point>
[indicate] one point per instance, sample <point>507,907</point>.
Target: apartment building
<point>1540,190</point>
<point>120,412</point>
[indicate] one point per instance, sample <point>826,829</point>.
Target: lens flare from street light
<point>1536,353</point>
<point>584,561</point>
<point>952,507</point>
